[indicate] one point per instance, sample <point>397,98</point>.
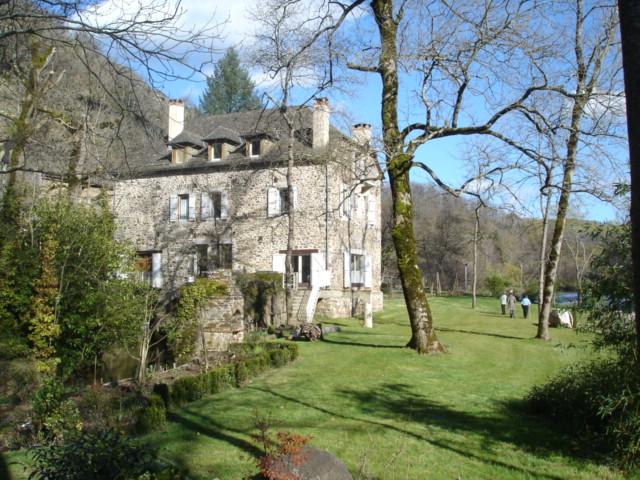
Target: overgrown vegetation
<point>101,455</point>
<point>258,289</point>
<point>183,333</point>
<point>601,398</point>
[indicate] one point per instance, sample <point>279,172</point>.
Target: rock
<point>314,464</point>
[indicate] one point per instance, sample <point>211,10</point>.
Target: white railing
<point>312,302</point>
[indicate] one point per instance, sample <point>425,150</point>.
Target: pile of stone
<point>307,331</point>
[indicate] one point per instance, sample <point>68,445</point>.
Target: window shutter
<point>224,207</point>
<point>295,197</point>
<point>273,202</point>
<point>347,269</point>
<point>278,264</point>
<point>173,207</point>
<point>156,270</point>
<point>192,207</point>
<point>319,276</point>
<point>372,212</point>
<point>368,271</point>
<point>205,206</point>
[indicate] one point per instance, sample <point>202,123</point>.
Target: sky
<point>361,104</point>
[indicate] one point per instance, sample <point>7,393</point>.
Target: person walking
<point>526,303</point>
<point>511,304</point>
<point>503,302</point>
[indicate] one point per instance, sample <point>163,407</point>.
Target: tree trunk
<point>551,267</point>
<point>476,231</point>
<point>423,337</point>
<point>543,248</point>
<point>630,31</point>
<point>290,226</point>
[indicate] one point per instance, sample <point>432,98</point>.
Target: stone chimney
<point>320,123</point>
<point>361,133</point>
<point>176,119</point>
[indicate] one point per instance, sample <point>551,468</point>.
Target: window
<point>278,200</point>
<point>202,256</point>
<point>357,269</point>
<point>213,205</point>
<point>216,151</point>
<point>223,256</point>
<point>284,200</point>
<point>142,267</point>
<point>148,267</point>
<point>254,148</point>
<point>183,207</point>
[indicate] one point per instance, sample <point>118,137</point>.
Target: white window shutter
<point>205,206</point>
<point>347,269</point>
<point>278,264</point>
<point>295,197</point>
<point>273,202</point>
<point>224,207</point>
<point>192,207</point>
<point>368,271</point>
<point>156,270</point>
<point>372,211</point>
<point>173,207</point>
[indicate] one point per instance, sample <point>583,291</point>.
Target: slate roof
<point>235,128</point>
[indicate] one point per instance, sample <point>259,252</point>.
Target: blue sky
<point>361,104</point>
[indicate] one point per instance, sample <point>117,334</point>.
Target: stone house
<point>216,200</point>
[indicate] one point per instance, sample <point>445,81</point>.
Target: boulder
<point>311,463</point>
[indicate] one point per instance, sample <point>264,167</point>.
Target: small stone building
<point>217,200</point>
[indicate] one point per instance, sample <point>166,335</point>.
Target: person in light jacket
<point>526,303</point>
<point>503,302</point>
<point>511,303</point>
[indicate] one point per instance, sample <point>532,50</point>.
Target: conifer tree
<point>229,89</point>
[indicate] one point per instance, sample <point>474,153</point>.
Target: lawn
<point>391,414</point>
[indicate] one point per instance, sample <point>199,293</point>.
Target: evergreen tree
<point>229,89</point>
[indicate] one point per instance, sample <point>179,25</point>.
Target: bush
<point>54,414</point>
<point>242,373</point>
<point>99,455</point>
<point>153,416</point>
<point>601,402</point>
<point>188,389</point>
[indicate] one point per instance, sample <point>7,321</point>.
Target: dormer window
<point>178,155</point>
<point>254,148</point>
<point>215,151</point>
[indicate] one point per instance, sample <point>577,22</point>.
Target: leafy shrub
<point>153,416</point>
<point>602,398</point>
<point>242,373</point>
<point>20,379</point>
<point>188,389</point>
<point>54,414</point>
<point>99,455</point>
<point>601,401</point>
<point>13,346</point>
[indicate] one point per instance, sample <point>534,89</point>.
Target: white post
<point>368,315</point>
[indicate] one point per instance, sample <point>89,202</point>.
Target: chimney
<point>176,119</point>
<point>361,133</point>
<point>320,123</point>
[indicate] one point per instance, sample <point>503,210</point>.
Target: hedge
<point>188,389</point>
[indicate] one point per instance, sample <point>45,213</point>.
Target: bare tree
<point>594,32</point>
<point>291,47</point>
<point>453,47</point>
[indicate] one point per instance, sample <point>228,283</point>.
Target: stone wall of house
<point>142,207</point>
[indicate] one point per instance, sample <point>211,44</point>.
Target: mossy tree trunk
<point>423,337</point>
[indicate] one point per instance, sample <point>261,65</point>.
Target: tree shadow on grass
<point>209,427</point>
<point>398,401</point>
<point>360,344</point>
<point>498,335</point>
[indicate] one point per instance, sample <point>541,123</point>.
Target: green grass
<point>392,414</point>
